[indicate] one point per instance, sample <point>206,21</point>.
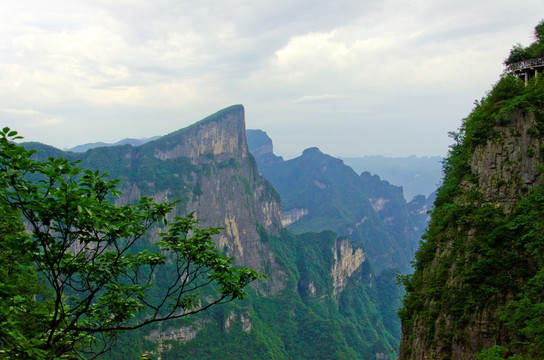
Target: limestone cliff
<point>476,264</point>
<point>346,261</point>
<point>507,165</point>
<point>208,167</point>
<point>227,190</point>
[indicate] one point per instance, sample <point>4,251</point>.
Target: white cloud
<point>371,66</point>
<point>315,98</point>
<point>47,122</point>
<point>24,112</point>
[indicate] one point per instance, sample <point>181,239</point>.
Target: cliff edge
<point>476,292</point>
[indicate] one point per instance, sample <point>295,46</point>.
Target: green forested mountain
<point>320,192</point>
<point>321,298</point>
<point>416,175</point>
<point>478,287</point>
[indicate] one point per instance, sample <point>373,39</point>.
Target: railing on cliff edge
<point>527,68</point>
<point>526,64</point>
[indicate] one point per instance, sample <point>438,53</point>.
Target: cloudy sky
<point>353,77</point>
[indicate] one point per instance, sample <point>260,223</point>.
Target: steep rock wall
<point>346,261</point>
<point>470,267</point>
<point>507,165</point>
<point>208,167</point>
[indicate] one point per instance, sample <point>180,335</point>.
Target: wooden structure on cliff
<point>527,68</point>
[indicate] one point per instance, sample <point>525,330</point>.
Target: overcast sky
<point>352,77</point>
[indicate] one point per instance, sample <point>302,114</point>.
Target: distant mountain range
<point>320,192</point>
<point>416,175</point>
<point>127,141</point>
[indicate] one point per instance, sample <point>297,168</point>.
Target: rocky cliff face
<point>475,263</point>
<point>208,167</point>
<point>227,190</point>
<point>506,167</point>
<point>346,261</point>
<point>221,134</point>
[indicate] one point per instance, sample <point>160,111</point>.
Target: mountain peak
<point>221,134</point>
<point>232,112</point>
<point>312,150</point>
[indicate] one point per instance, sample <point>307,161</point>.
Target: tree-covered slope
<point>305,320</point>
<point>321,298</point>
<point>477,290</point>
<point>320,192</point>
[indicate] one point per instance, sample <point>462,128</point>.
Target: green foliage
<point>524,316</point>
<point>517,53</point>
<point>22,318</point>
<point>503,256</point>
<point>86,251</point>
<point>295,323</point>
<point>539,31</point>
<point>494,353</point>
<point>508,97</point>
<point>535,50</point>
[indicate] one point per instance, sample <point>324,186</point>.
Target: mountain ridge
<point>320,192</point>
<point>416,175</point>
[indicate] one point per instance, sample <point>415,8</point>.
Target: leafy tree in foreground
<point>98,278</point>
<point>20,315</point>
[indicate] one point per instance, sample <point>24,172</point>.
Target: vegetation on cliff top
<point>535,50</point>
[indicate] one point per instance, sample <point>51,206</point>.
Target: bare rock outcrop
<point>346,261</point>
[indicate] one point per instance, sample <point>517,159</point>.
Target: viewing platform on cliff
<point>527,68</point>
